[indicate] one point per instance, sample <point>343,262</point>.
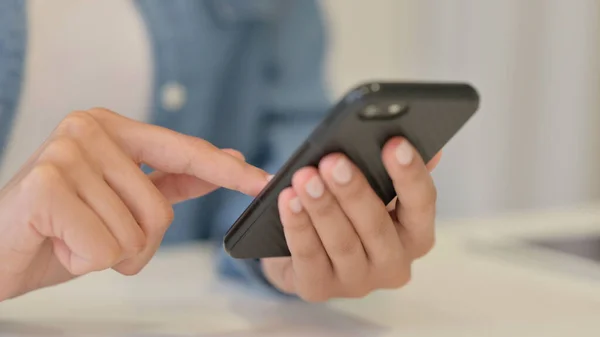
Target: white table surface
<point>476,282</point>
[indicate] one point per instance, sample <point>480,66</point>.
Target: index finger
<point>168,151</point>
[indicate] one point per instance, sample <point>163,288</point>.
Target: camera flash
<point>394,109</point>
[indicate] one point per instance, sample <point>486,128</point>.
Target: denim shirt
<point>252,74</point>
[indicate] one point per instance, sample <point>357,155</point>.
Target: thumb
<point>180,187</point>
<point>433,163</point>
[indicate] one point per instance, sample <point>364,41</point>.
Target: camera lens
<point>371,111</point>
<point>394,109</point>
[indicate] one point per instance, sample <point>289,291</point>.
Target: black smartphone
<point>428,115</point>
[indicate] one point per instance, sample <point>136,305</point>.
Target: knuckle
<point>397,277</point>
<point>166,214</point>
<point>79,124</point>
<point>314,296</point>
<point>161,216</point>
<point>425,247</point>
<point>103,260</point>
<point>42,179</point>
<point>379,229</point>
<point>359,292</point>
<point>101,113</point>
<point>296,226</point>
<point>130,271</point>
<point>308,252</point>
<point>235,153</point>
<point>109,257</point>
<point>38,187</point>
<point>136,245</point>
<point>346,247</point>
<point>418,243</point>
<point>63,151</point>
<point>357,285</point>
<point>80,269</point>
<point>129,268</point>
<point>199,143</point>
<point>195,146</point>
<point>157,215</point>
<point>388,260</point>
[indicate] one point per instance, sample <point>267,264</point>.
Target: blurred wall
<point>535,143</point>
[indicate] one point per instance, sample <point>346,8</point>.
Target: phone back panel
<point>427,114</point>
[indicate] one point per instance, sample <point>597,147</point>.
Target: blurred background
<point>535,142</point>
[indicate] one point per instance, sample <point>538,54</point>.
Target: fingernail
<point>314,187</point>
<point>404,153</point>
<point>342,173</point>
<point>270,177</point>
<point>295,205</point>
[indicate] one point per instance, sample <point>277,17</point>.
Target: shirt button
<point>173,96</point>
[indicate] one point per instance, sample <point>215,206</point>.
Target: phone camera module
<point>387,111</point>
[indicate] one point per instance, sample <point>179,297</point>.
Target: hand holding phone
<point>327,206</point>
<point>343,240</point>
<point>427,115</point>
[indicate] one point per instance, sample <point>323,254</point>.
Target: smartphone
<point>428,115</point>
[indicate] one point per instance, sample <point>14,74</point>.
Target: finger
<point>364,208</point>
<point>150,208</point>
<point>151,211</point>
<point>312,271</point>
<point>95,192</point>
<point>433,163</point>
<point>172,152</point>
<point>337,234</point>
<point>180,187</point>
<point>279,271</point>
<point>416,195</point>
<point>64,216</point>
<point>237,154</point>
